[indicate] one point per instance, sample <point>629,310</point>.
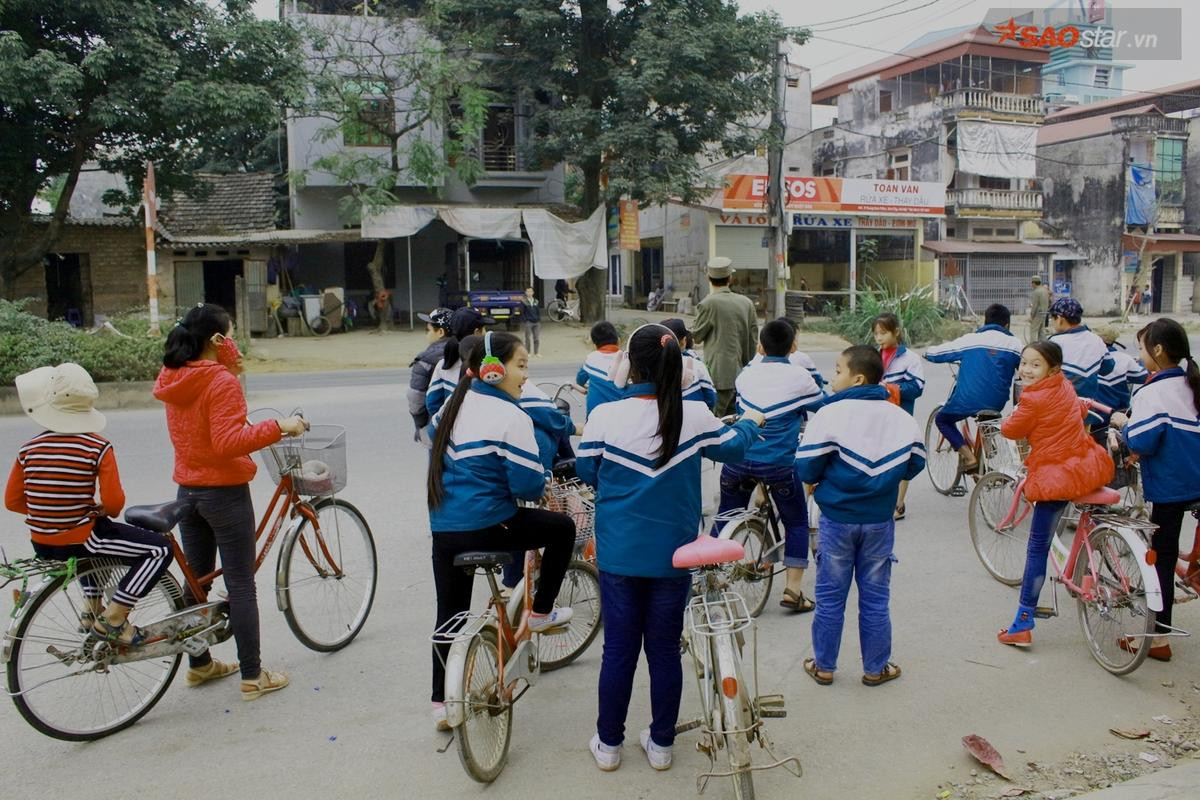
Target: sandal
<point>890,673</point>
<point>114,634</point>
<point>198,676</point>
<point>267,681</point>
<point>86,621</point>
<point>821,676</point>
<point>796,602</point>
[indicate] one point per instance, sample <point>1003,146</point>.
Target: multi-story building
<point>961,109</point>
<point>1077,74</point>
<point>1117,183</point>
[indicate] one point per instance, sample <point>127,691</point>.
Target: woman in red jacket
<point>1064,463</point>
<point>206,417</point>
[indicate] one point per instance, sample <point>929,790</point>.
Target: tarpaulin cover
<point>1139,195</point>
<point>484,223</point>
<point>566,249</point>
<point>396,221</point>
<point>997,150</point>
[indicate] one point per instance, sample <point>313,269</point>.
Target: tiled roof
<point>233,203</point>
<point>1084,127</point>
<point>1169,99</point>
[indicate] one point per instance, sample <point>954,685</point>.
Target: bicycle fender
<point>456,662</point>
<point>1138,547</point>
<point>289,532</point>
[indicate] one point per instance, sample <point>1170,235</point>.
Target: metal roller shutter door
<point>993,278</point>
<point>743,246</point>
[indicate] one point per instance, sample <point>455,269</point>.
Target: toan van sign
<point>842,195</point>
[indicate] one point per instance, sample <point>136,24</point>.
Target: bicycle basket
<point>577,500</point>
<point>316,461</point>
<point>1001,453</point>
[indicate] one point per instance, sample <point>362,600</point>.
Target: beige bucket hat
<point>61,399</point>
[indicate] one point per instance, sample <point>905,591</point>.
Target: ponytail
<point>435,490</point>
<point>1193,380</point>
<point>186,340</point>
<point>451,353</point>
<point>1174,341</point>
<point>655,356</point>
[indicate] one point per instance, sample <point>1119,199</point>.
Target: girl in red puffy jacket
<point>1063,463</point>
<point>206,417</point>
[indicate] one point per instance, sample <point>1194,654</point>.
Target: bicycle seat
<point>1103,496</point>
<point>162,517</point>
<point>705,551</point>
<point>988,416</point>
<point>564,469</point>
<point>477,558</point>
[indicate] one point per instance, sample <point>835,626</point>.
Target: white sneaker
<point>607,758</point>
<point>556,618</point>
<point>439,718</point>
<point>659,757</point>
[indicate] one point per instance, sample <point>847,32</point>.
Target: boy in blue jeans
<point>784,393</point>
<point>857,449</point>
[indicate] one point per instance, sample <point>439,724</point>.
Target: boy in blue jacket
<point>989,357</point>
<point>857,449</point>
<point>784,393</point>
<point>593,375</point>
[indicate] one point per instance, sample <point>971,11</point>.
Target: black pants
<point>223,519</point>
<point>1169,519</point>
<point>528,529</point>
<point>148,554</point>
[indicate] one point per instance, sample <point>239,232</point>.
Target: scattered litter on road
<point>983,663</point>
<point>1168,684</point>
<point>1149,758</point>
<point>333,738</point>
<point>983,752</point>
<point>942,795</point>
<point>1015,791</point>
<point>1163,719</point>
<point>1129,734</point>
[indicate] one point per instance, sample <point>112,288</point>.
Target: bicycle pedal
<point>684,727</point>
<point>770,701</point>
<point>958,491</point>
<point>772,713</point>
<point>1044,612</point>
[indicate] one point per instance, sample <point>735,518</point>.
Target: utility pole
<point>777,268</point>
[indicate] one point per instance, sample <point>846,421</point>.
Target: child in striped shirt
<point>53,483</point>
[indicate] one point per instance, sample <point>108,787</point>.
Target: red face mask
<point>229,356</point>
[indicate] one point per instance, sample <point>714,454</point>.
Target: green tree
<point>121,83</point>
<point>638,96</point>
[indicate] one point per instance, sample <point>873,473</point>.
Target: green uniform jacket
<point>1039,306</point>
<point>727,325</point>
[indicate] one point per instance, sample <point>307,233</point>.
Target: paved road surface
<point>355,723</point>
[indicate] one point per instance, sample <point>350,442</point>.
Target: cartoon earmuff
<point>491,369</point>
<point>618,372</point>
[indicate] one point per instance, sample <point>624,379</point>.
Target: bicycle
<point>564,311</point>
<point>72,686</point>
<point>580,590</point>
<point>1187,569</point>
<point>982,433</point>
<point>568,398</point>
<point>732,711</point>
<point>1108,569</point>
<point>758,530</point>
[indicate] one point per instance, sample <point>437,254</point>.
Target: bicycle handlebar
<point>1092,405</point>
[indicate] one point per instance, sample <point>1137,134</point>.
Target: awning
<point>957,248</point>
<point>264,238</point>
<point>1162,242</point>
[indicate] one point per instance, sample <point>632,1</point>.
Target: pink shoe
<point>1018,639</point>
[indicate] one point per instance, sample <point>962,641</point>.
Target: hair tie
<point>470,372</point>
<point>666,337</point>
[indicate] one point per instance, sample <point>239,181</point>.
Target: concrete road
<point>355,723</point>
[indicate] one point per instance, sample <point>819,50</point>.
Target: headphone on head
<point>618,371</point>
<point>491,369</point>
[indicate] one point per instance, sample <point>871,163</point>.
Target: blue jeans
<point>789,500</point>
<point>947,425</point>
<point>862,551</point>
<point>641,613</point>
<point>1045,520</point>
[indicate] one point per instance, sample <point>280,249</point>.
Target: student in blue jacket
<point>485,459</point>
<point>903,369</point>
<point>857,449</point>
<point>642,453</point>
<point>785,394</point>
<point>1121,374</point>
<point>698,382</point>
<point>1164,430</point>
<point>799,358</point>
<point>989,357</point>
<point>593,375</point>
<point>1085,355</point>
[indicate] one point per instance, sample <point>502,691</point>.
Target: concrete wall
<point>1088,206</point>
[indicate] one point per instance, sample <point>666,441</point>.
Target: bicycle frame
<point>1187,568</point>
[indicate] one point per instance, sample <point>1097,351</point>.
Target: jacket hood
<point>181,386</point>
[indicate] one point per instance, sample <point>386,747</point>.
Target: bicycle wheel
<point>320,325</point>
<point>737,722</point>
<point>751,577</point>
<point>56,682</point>
<point>941,460</point>
<point>486,729</point>
<point>1113,604</point>
<point>1002,553</point>
<point>556,310</point>
<point>580,592</point>
<point>327,578</point>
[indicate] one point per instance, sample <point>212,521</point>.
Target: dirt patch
<point>1169,740</point>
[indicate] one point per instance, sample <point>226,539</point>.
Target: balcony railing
<point>1001,199</point>
<point>501,157</point>
<point>1149,123</point>
<point>1169,216</point>
<point>987,100</point>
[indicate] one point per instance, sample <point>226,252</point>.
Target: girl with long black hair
<point>642,453</point>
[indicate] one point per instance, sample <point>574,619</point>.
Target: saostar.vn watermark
<point>1142,34</point>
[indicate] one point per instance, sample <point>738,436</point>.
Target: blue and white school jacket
<point>594,375</point>
<point>442,383</point>
<point>701,387</point>
<point>989,357</point>
<point>857,449</point>
<point>1118,377</point>
<point>1164,429</point>
<point>907,372</point>
<point>784,393</point>
<point>1084,354</point>
<point>550,426</point>
<point>800,360</point>
<point>643,512</point>
<point>490,464</point>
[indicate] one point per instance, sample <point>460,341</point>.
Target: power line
<point>956,9</point>
<point>876,19</point>
<point>856,16</point>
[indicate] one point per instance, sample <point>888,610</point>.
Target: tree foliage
<point>173,81</point>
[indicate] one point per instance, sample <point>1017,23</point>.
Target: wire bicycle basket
<point>576,499</point>
<point>316,461</point>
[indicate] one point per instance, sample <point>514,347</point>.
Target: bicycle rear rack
<point>721,616</point>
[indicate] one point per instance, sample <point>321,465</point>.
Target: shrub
<point>28,341</point>
<point>917,309</point>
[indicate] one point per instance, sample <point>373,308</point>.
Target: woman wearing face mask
<point>206,417</point>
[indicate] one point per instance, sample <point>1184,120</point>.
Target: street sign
<point>630,238</point>
<point>868,195</point>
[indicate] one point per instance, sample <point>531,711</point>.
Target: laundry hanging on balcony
<point>566,249</point>
<point>1140,203</point>
<point>997,149</point>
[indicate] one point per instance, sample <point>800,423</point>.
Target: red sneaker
<point>1018,639</point>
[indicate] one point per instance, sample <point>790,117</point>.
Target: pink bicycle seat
<point>707,550</point>
<point>1101,497</point>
